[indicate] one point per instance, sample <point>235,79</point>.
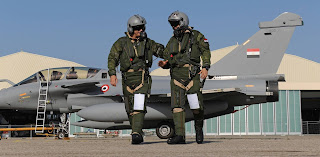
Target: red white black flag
<point>253,52</point>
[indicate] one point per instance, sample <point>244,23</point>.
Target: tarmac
<point>306,145</point>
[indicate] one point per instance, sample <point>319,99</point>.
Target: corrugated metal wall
<point>297,69</point>
<point>276,118</point>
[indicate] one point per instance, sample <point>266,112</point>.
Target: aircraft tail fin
<point>261,53</point>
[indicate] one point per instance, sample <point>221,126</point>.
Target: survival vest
<point>135,55</point>
<point>185,50</point>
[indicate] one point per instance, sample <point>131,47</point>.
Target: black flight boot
<point>198,125</point>
<point>177,140</point>
<point>199,136</point>
<point>136,138</point>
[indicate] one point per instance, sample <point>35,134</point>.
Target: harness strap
<point>138,87</point>
<point>132,70</point>
<point>182,86</point>
<point>135,51</point>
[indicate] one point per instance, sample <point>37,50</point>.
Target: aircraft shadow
<point>204,142</point>
<point>187,142</point>
<point>154,142</point>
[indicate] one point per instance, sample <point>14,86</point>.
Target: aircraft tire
<point>61,134</point>
<point>165,130</point>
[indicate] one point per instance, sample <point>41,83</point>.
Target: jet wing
<point>211,94</point>
<point>220,90</point>
<point>216,91</point>
<point>220,94</point>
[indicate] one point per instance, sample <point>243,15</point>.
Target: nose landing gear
<point>63,130</point>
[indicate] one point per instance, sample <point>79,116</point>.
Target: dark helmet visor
<point>174,23</point>
<point>139,27</point>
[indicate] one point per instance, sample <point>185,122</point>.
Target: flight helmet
<point>178,18</point>
<point>136,21</point>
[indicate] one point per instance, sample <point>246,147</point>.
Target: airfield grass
<point>306,145</point>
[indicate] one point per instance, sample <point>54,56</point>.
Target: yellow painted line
<point>25,129</point>
<point>25,97</point>
<point>23,94</point>
<point>249,85</point>
<point>246,42</point>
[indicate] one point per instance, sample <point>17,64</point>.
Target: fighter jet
<point>245,76</point>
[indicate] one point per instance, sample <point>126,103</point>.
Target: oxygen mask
<point>178,33</point>
<point>143,36</point>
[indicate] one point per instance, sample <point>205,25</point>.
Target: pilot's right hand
<point>162,63</point>
<point>113,80</point>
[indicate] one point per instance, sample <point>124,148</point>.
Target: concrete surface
<point>307,145</point>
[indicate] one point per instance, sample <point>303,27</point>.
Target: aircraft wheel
<point>61,134</point>
<point>165,130</point>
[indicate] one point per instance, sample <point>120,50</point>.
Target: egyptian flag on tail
<point>253,53</point>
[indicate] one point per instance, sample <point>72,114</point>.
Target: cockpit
<point>66,73</point>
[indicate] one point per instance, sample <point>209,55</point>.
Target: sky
<point>83,31</point>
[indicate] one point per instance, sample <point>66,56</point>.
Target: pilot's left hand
<point>203,73</point>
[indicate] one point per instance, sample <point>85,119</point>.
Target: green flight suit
<point>183,55</point>
<point>135,58</point>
